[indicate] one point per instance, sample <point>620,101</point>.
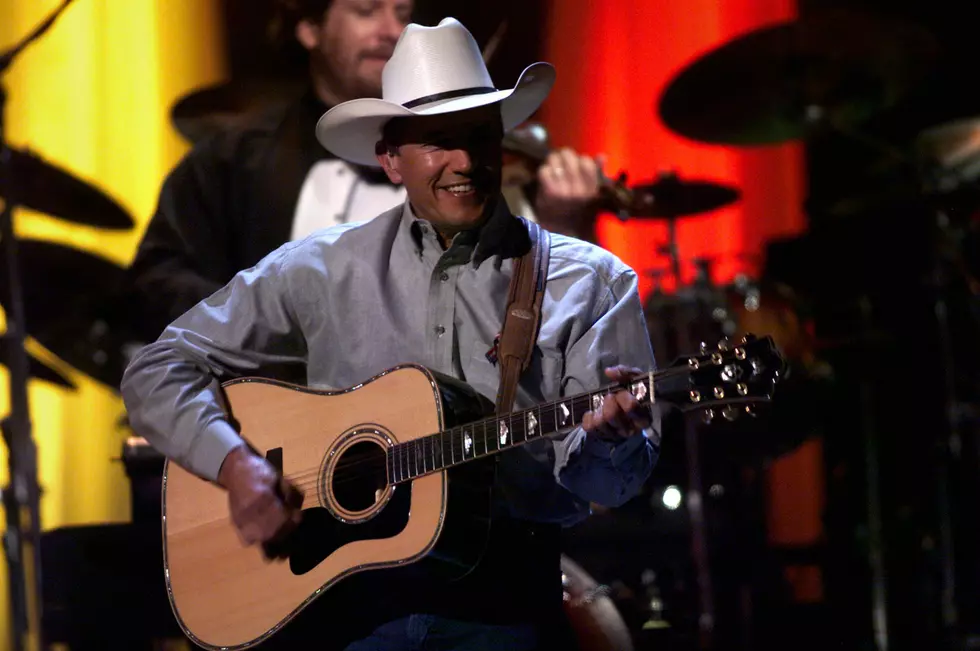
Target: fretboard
<point>421,456</point>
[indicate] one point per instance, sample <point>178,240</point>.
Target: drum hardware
<point>21,498</point>
<point>46,188</point>
<point>73,306</point>
<point>654,602</point>
<point>39,369</point>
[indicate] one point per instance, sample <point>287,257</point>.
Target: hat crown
<point>434,62</point>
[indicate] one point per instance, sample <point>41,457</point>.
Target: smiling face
<point>449,164</point>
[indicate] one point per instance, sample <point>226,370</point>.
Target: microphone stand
<point>21,498</point>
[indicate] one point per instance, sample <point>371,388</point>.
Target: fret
<point>486,443</point>
<point>452,447</point>
<point>430,454</point>
<point>400,461</point>
<point>413,460</point>
<point>489,435</point>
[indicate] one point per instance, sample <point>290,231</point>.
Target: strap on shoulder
<point>523,316</point>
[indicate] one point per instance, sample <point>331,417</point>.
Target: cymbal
<point>36,368</point>
<point>211,109</point>
<point>670,196</point>
<point>836,68</point>
<point>43,187</point>
<point>71,306</point>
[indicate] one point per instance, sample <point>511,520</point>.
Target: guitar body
<point>331,445</point>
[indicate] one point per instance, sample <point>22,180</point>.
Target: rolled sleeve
<point>594,469</point>
<point>172,389</point>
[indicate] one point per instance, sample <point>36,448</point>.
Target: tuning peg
<point>704,348</point>
<point>748,338</point>
<point>750,411</point>
<point>730,413</point>
<point>709,415</point>
<point>724,345</point>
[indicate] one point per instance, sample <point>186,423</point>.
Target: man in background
<point>243,192</point>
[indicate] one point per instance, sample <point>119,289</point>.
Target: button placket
<point>442,295</point>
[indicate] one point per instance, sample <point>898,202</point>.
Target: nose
<point>391,26</point>
<point>460,160</point>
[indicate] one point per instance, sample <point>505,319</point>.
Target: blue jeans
<point>431,633</point>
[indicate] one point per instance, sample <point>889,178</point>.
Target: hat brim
<point>351,130</point>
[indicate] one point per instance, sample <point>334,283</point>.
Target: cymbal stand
<point>933,179</point>
<point>695,488</point>
<point>21,498</point>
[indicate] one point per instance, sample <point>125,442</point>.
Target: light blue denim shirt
<point>349,302</point>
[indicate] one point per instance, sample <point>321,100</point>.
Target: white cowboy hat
<point>432,70</point>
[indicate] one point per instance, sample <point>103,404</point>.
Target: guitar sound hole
<point>359,476</point>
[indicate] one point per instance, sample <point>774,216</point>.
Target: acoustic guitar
<point>379,465</point>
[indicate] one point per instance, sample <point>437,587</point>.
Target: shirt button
<point>443,276</point>
<point>440,330</point>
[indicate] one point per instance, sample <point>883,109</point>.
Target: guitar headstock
<point>728,380</point>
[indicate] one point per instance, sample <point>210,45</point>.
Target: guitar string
<point>380,465</point>
<point>407,456</point>
<point>310,477</point>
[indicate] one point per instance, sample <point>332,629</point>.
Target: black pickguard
<point>321,534</point>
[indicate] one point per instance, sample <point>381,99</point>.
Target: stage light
<point>672,497</point>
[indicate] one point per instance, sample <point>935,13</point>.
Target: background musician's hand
<point>264,507</point>
<point>567,194</point>
<point>621,415</point>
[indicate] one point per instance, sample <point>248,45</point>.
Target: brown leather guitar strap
<point>523,316</point>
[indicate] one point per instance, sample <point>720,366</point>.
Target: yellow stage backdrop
<point>93,96</point>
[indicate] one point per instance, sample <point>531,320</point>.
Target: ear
<point>389,162</point>
<point>308,34</point>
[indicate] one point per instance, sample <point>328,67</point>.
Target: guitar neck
<point>731,378</point>
<point>451,447</point>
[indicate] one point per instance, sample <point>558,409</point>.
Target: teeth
<point>465,187</point>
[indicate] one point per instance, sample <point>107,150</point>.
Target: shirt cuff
<point>212,446</point>
<point>617,452</point>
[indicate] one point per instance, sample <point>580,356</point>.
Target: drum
<point>678,323</point>
<point>597,624</point>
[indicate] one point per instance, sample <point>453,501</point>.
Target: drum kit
<point>827,73</point>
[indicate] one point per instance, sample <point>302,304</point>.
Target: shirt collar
<point>503,235</point>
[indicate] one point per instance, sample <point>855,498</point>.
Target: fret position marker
<point>532,424</point>
<point>597,401</point>
<point>564,413</point>
<point>467,443</point>
<point>503,433</point>
<point>639,390</point>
